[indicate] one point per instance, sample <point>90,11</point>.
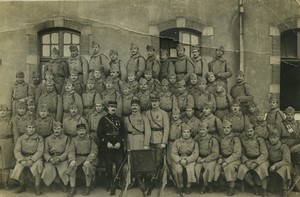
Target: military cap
<point>209,74</point>
<point>148,71</point>
<point>193,75</point>
<point>74,72</point>
<point>274,98</point>
<point>209,105</point>
<point>49,72</point>
<point>240,73</point>
<point>73,105</point>
<point>30,123</point>
<point>149,47</point>
<point>56,124</point>
<point>154,97</point>
<point>181,83</point>
<point>176,110</point>
<point>236,101</point>
<point>202,81</point>
<point>43,106</point>
<point>203,125</point>
<point>21,104</point>
<point>185,127</point>
<point>69,81</point>
<point>164,51</point>
<point>98,100</point>
<point>91,80</point>
<point>135,100</point>
<point>49,82</point>
<point>3,107</point>
<point>133,45</point>
<point>180,46</point>
<point>131,73</point>
<point>273,133</point>
<point>95,44</point>
<point>196,47</point>
<point>113,52</point>
<point>248,127</point>
<point>113,103</point>
<point>20,74</point>
<point>219,82</point>
<point>81,126</point>
<point>55,51</point>
<point>30,101</point>
<point>109,80</point>
<point>165,82</point>
<point>143,80</point>
<point>221,48</point>
<point>73,47</point>
<point>289,109</point>
<point>171,74</point>
<point>227,123</point>
<point>35,74</point>
<point>251,104</point>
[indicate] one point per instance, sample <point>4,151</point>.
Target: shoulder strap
<point>154,120</point>
<point>134,126</point>
<point>111,122</point>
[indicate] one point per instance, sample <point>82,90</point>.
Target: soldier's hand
<point>253,165</point>
<point>224,164</point>
<point>146,147</point>
<point>163,146</point>
<point>24,163</point>
<point>183,162</point>
<point>109,145</point>
<point>117,145</point>
<point>52,160</point>
<point>86,163</point>
<point>272,168</point>
<point>29,163</point>
<point>220,161</point>
<point>73,163</point>
<point>248,164</point>
<point>56,160</point>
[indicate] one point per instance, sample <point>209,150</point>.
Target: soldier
<point>127,96</point>
<point>69,97</point>
<point>114,76</point>
<point>223,100</point>
<point>252,112</point>
<point>74,118</point>
<point>173,83</point>
<point>131,81</point>
<point>184,99</point>
<point>184,153</point>
<point>192,121</point>
<point>98,61</point>
<point>82,153</point>
<point>153,84</point>
<point>262,127</point>
<point>59,69</point>
<point>230,157</point>
<point>280,161</point>
<point>184,66</point>
<point>167,100</point>
<point>207,159</point>
<point>241,91</point>
<point>78,63</point>
<point>52,100</point>
<point>21,91</point>
<point>89,97</point>
<point>238,120</point>
<point>7,161</point>
<point>99,79</point>
<point>49,77</point>
<point>111,134</point>
<point>136,63</point>
<point>144,94</point>
<point>79,87</point>
<point>28,152</point>
<point>160,128</point>
<point>31,109</point>
<point>193,86</point>
<point>275,116</point>
<point>220,67</point>
<point>36,87</point>
<point>56,156</point>
<point>116,64</point>
<point>215,125</point>
<point>201,97</point>
<point>44,122</point>
<point>211,82</point>
<point>151,62</point>
<point>290,135</point>
<point>166,65</point>
<point>199,68</point>
<point>255,162</point>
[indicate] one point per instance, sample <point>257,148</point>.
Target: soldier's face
<point>155,104</point>
<point>143,86</point>
<point>150,52</point>
<point>163,57</point>
<point>240,78</point>
<point>50,87</point>
<point>203,132</point>
<point>219,53</point>
<point>74,77</point>
<point>252,109</point>
<point>135,107</point>
<point>227,130</point>
<point>113,56</point>
<point>131,77</point>
<point>73,111</point>
<point>31,107</point>
<point>193,80</point>
<point>189,113</point>
<point>173,79</point>
<point>97,74</point>
<point>49,77</point>
<point>180,52</point>
<point>181,89</point>
<point>186,134</point>
<point>126,91</point>
<point>175,116</point>
<point>112,109</point>
<point>235,108</point>
<point>211,78</point>
<point>81,132</point>
<point>219,88</point>
<point>20,79</point>
<point>36,79</point>
<point>202,86</point>
<point>195,53</point>
<point>273,104</point>
<point>21,111</point>
<point>74,53</point>
<point>148,76</point>
<point>30,130</point>
<point>96,48</point>
<point>90,85</point>
<point>3,112</point>
<point>54,56</point>
<point>99,107</point>
<point>43,113</point>
<point>134,50</point>
<point>290,116</point>
<point>57,131</point>
<point>250,133</point>
<point>206,111</point>
<point>165,87</point>
<point>69,87</point>
<point>274,140</point>
<point>260,117</point>
<point>114,73</point>
<point>109,85</point>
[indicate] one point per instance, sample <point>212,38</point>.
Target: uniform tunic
<point>112,95</point>
<point>230,152</point>
<point>253,117</point>
<point>193,89</point>
<point>199,68</point>
<point>254,149</point>
<point>166,67</point>
<point>153,64</point>
<point>54,103</point>
<point>126,102</point>
<point>239,121</point>
<point>200,99</point>
<point>193,122</point>
<point>70,122</point>
<point>88,100</point>
<point>80,64</point>
<point>93,121</point>
<point>223,104</point>
<point>275,117</point>
<point>20,91</point>
<point>120,67</point>
<point>99,84</point>
<point>215,125</point>
<point>56,146</point>
<point>29,148</point>
<point>185,101</point>
<point>175,133</point>
<point>208,150</point>
<point>70,98</point>
<point>136,64</point>
<point>100,62</point>
<point>44,126</point>
<point>19,125</point>
<point>7,159</point>
<point>187,149</point>
<point>37,91</point>
<point>134,86</point>
<point>184,67</point>
<point>144,97</point>
<point>154,86</point>
<point>262,130</point>
<point>242,92</point>
<point>167,101</point>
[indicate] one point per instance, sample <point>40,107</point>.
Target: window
<point>169,39</point>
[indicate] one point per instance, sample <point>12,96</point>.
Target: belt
<point>135,133</point>
<point>157,129</point>
<point>27,154</point>
<point>171,140</point>
<point>185,154</point>
<point>252,157</point>
<point>5,136</point>
<point>78,154</point>
<point>55,154</point>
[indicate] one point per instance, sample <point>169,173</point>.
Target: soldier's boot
<point>284,193</point>
<point>20,189</point>
<point>72,192</point>
<point>188,190</point>
<point>38,190</point>
<point>265,193</point>
<point>230,192</point>
<point>179,190</point>
<point>65,188</point>
<point>86,191</point>
<point>38,185</point>
<point>5,178</point>
<point>113,191</point>
<point>204,189</point>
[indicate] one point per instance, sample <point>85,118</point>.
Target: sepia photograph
<point>136,98</point>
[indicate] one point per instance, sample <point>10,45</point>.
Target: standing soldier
<point>31,109</point>
<point>136,63</point>
<point>215,125</point>
<point>118,65</point>
<point>262,127</point>
<point>241,91</point>
<point>220,67</point>
<point>151,62</point>
<point>275,116</point>
<point>254,160</point>
<point>59,69</point>
<point>127,96</point>
<point>153,84</point>
<point>160,128</point>
<point>99,79</point>
<point>193,86</point>
<point>144,94</point>
<point>223,100</point>
<point>52,100</point>
<point>98,61</point>
<point>56,156</point>
<point>111,134</point>
<point>167,65</point>
<point>168,101</point>
<point>184,66</point>
<point>192,121</point>
<point>89,97</point>
<point>28,152</point>
<point>199,68</point>
<point>83,153</point>
<point>70,97</point>
<point>36,87</point>
<point>207,159</point>
<point>252,112</point>
<point>7,160</point>
<point>184,99</point>
<point>230,157</point>
<point>78,63</point>
<point>44,122</point>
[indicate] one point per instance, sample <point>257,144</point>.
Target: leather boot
<point>265,193</point>
<point>230,192</point>
<point>65,188</point>
<point>86,191</point>
<point>20,189</point>
<point>179,190</point>
<point>72,192</point>
<point>38,190</point>
<point>188,190</point>
<point>285,193</point>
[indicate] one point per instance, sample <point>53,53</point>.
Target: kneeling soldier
<point>28,152</point>
<point>82,154</point>
<point>56,156</point>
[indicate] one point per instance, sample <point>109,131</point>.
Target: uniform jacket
<point>44,126</point>
<point>69,124</point>
<point>242,92</point>
<point>220,68</point>
<point>120,66</point>
<point>166,67</point>
<point>54,103</point>
<point>100,62</point>
<point>72,97</point>
<point>230,148</point>
<point>183,148</point>
<point>136,64</point>
<point>184,67</point>
<point>80,64</point>
<point>279,155</point>
<point>208,147</point>
<point>153,64</point>
<point>56,146</point>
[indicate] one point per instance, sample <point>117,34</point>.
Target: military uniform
<point>93,121</point>
<point>193,123</point>
<point>153,64</point>
<point>120,67</point>
<point>99,61</point>
<point>223,104</point>
<point>200,99</point>
<point>275,117</point>
<point>136,64</point>
<point>154,86</point>
<point>166,67</point>
<point>69,124</point>
<point>184,68</point>
<point>242,92</point>
<point>70,98</point>
<point>144,97</point>
<point>88,100</point>
<point>262,129</point>
<point>126,104</point>
<point>215,125</point>
<point>19,124</point>
<point>44,126</point>
<point>168,101</point>
<point>193,89</point>
<point>80,64</point>
<point>99,84</point>
<point>239,122</point>
<point>184,100</point>
<point>134,86</point>
<point>112,95</point>
<point>36,88</point>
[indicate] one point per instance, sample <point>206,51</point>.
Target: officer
<point>184,99</point>
<point>83,153</point>
<point>136,63</point>
<point>28,152</point>
<point>151,62</point>
<point>200,65</point>
<point>111,134</point>
<point>98,61</point>
<point>184,66</point>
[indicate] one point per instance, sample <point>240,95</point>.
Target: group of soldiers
<point>85,113</point>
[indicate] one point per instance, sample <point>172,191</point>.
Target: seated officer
<point>28,152</point>
<point>184,153</point>
<point>56,156</point>
<point>82,154</point>
<point>254,160</point>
